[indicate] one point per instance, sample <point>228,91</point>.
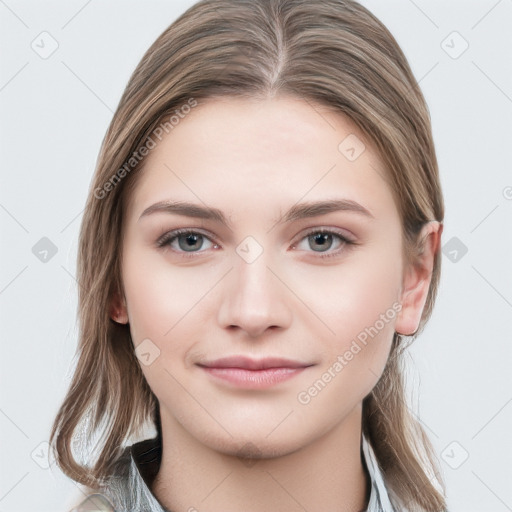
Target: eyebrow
<point>296,212</point>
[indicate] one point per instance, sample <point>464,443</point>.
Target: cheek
<point>162,297</point>
<point>167,305</point>
<point>358,304</point>
<point>354,357</point>
<point>161,303</point>
<point>353,295</point>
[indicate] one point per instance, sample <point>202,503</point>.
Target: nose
<point>254,298</point>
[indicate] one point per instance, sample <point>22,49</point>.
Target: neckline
<point>146,458</point>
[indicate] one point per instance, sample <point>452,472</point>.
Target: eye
<point>323,240</point>
<point>185,241</point>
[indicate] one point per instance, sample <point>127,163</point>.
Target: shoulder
<point>88,498</point>
<point>102,498</point>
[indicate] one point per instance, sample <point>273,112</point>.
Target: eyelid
<point>343,233</point>
<point>174,233</point>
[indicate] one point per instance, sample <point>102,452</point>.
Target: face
<point>289,247</point>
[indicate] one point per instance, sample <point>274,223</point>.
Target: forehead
<point>240,152</point>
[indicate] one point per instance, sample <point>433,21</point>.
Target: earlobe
<point>417,278</point>
<point>117,310</point>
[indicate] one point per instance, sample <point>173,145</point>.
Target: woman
<point>262,232</point>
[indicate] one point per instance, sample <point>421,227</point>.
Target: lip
<point>247,373</point>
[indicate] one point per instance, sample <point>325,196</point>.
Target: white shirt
<point>128,490</point>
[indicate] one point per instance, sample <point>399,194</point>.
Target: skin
<point>226,449</point>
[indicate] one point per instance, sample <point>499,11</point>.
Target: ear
<point>416,279</point>
<point>117,309</point>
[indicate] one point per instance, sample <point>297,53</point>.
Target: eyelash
<point>168,238</point>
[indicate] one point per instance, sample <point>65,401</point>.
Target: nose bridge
<point>254,299</point>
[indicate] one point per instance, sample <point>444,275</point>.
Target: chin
<point>256,445</point>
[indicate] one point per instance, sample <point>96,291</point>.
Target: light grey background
<point>54,112</point>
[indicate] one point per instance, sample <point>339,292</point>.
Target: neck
<point>327,474</point>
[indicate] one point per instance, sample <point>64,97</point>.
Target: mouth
<point>244,372</point>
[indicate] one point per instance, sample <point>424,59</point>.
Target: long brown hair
<point>333,53</point>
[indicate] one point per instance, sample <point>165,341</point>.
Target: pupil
<point>322,239</point>
<point>191,241</point>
